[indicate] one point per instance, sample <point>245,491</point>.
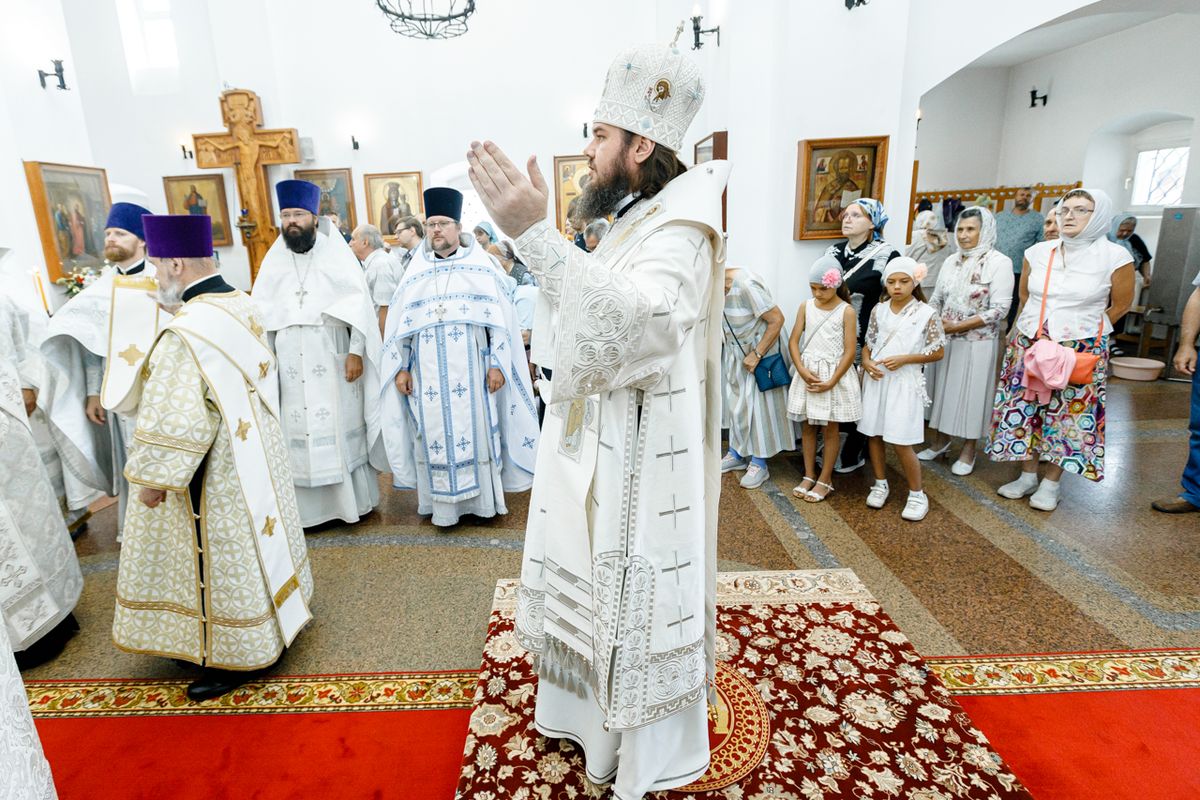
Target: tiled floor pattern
<point>981,575</point>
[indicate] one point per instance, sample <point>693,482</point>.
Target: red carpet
<point>821,697</point>
<point>1098,725</point>
<point>371,737</point>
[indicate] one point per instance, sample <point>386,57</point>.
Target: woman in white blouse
<point>1066,285</point>
<point>974,291</point>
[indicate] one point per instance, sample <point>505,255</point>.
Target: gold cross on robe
<point>131,355</point>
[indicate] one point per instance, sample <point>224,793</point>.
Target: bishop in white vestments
<point>322,326</point>
<point>94,346</point>
<point>214,568</point>
<point>617,594</point>
<point>40,579</point>
<point>460,420</point>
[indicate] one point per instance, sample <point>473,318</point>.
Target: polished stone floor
<point>980,575</point>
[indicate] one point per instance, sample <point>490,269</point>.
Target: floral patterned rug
<point>820,696</point>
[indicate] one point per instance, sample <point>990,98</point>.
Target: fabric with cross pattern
<point>317,310</point>
<point>458,444</point>
<point>618,577</point>
<point>225,583</point>
<point>23,765</point>
<point>40,579</point>
<point>76,348</point>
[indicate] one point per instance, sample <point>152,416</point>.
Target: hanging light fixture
<point>428,19</point>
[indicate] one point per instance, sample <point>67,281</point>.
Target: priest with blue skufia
<point>457,405</point>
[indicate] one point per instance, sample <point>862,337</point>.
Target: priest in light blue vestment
<point>458,412</point>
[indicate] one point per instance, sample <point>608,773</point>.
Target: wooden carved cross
<point>249,149</point>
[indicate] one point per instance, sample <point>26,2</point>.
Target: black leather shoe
<point>216,682</point>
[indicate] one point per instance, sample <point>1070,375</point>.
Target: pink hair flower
<point>919,272</point>
<point>832,279</point>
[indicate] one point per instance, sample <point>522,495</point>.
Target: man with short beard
<point>322,327</point>
<point>1017,231</point>
<point>460,424</point>
<point>214,567</point>
<point>618,578</point>
<point>95,344</point>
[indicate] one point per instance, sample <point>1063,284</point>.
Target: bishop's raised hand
<point>513,200</point>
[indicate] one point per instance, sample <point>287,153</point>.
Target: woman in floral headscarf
<point>972,299</point>
<point>1073,290</point>
<point>862,257</point>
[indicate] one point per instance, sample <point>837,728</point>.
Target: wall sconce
<point>919,116</point>
<point>57,73</point>
<point>1035,98</point>
<point>853,4</point>
<point>353,142</point>
<point>585,130</point>
<point>699,31</point>
<point>186,153</point>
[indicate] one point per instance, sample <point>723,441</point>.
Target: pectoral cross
<point>249,150</point>
<point>301,294</point>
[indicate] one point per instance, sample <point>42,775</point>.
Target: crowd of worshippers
<point>996,336</point>
<point>413,359</point>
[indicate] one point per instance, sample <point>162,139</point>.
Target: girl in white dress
<point>904,334</point>
<point>824,390</point>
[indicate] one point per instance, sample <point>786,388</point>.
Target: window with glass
<point>1158,176</point>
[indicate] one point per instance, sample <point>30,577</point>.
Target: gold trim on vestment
<point>143,282</point>
<point>285,591</point>
<point>160,440</point>
<point>158,605</point>
<point>152,484</point>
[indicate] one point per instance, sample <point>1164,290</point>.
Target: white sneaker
<point>929,454</point>
<point>731,464</point>
<point>1025,485</point>
<point>878,495</point>
<point>755,477</point>
<point>916,508</point>
<point>962,467</point>
<point>1046,496</point>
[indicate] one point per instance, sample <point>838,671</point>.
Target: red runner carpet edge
<point>1111,725</point>
<point>276,739</point>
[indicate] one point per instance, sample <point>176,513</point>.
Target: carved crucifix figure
<point>249,149</point>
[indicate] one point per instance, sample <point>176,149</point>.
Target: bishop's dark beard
<point>600,197</point>
<point>300,241</point>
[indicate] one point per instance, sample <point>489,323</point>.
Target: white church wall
<point>1092,86</point>
<point>962,124</point>
<point>36,124</point>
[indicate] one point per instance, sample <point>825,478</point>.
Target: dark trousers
<point>1191,472</point>
<point>1016,301</point>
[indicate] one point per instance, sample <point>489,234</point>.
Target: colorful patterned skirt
<point>1068,431</point>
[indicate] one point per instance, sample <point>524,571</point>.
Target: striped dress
<point>757,421</point>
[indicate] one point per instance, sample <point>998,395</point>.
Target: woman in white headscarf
<point>1066,286</point>
<point>930,245</point>
<point>972,298</point>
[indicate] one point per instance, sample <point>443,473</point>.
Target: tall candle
<point>37,281</point>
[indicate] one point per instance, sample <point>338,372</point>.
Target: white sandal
<point>813,497</point>
<point>929,454</point>
<point>800,491</point>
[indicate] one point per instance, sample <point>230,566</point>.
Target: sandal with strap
<point>813,497</point>
<point>801,491</point>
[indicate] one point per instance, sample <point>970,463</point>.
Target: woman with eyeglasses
<point>1041,411</point>
<point>863,257</point>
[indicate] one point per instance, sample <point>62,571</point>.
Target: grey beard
<point>170,296</point>
<point>599,200</point>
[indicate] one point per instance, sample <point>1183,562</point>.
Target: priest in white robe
<point>214,568</point>
<point>98,330</point>
<point>618,578</point>
<point>40,579</point>
<point>459,415</point>
<point>318,313</point>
